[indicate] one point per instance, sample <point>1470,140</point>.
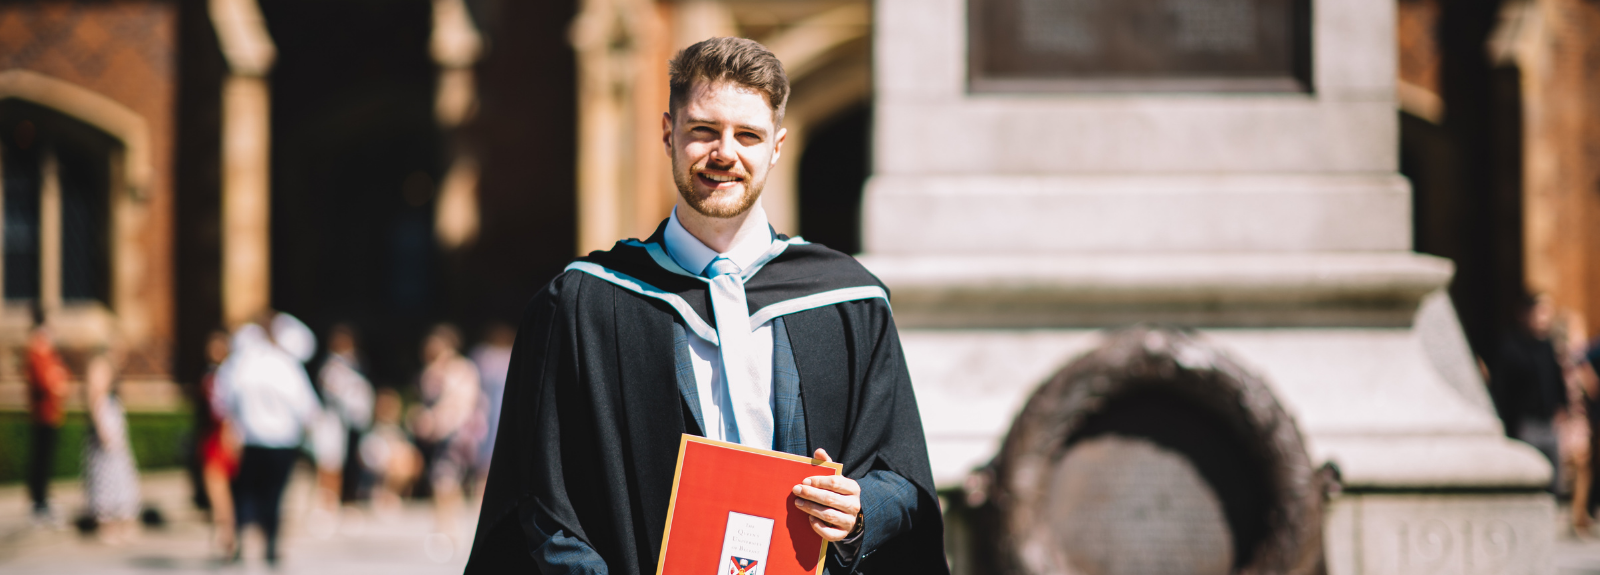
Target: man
<point>47,396</point>
<point>266,395</point>
<point>717,326</point>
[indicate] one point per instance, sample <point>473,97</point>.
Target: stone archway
<point>1154,453</point>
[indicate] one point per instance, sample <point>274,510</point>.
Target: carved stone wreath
<point>1168,363</point>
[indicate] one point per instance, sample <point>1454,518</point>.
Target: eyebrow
<point>747,127</point>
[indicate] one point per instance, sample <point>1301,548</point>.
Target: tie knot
<point>721,266</point>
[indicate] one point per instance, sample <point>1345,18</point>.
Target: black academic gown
<point>592,413</point>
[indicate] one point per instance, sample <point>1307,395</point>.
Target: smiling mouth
<point>718,180</point>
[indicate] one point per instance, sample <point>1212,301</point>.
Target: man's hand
<point>832,501</point>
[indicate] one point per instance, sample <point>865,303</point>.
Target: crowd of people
<point>1545,384</point>
<point>260,412</point>
<point>366,446</point>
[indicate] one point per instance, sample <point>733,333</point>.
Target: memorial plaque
<point>1140,45</point>
<point>1127,506</point>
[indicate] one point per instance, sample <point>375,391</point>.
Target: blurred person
<point>348,395</point>
<point>1530,390</point>
<point>325,440</point>
<point>445,423</point>
<point>47,395</point>
<point>292,336</point>
<point>1588,376</point>
<point>388,454</point>
<point>266,393</point>
<point>1573,428</point>
<point>1592,356</point>
<point>110,476</point>
<point>493,358</point>
<point>219,448</point>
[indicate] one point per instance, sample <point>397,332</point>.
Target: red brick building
<point>88,94</point>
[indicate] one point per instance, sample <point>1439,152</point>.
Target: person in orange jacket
<point>47,396</point>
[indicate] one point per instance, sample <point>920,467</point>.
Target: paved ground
<point>1577,557</point>
<point>356,544</point>
<point>402,543</point>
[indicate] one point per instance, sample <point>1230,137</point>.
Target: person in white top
<point>348,397</point>
<point>267,396</point>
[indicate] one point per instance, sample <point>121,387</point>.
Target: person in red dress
<point>219,449</point>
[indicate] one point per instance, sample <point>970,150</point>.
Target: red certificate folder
<point>731,504</point>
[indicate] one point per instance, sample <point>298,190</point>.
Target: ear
<point>666,132</point>
<point>777,145</point>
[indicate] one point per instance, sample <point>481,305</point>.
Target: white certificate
<point>745,544</point>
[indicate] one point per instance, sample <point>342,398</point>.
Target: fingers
<point>827,531</point>
<point>835,516</point>
<point>848,504</point>
<point>832,501</point>
<point>835,483</point>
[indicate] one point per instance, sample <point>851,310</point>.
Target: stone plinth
<point>1012,228</point>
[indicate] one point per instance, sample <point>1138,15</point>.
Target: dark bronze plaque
<point>1140,45</point>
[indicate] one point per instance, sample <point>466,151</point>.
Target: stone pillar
<point>456,46</point>
<point>1012,223</point>
<point>624,186</point>
<point>50,234</point>
<point>1556,48</point>
<point>246,163</point>
<point>246,199</point>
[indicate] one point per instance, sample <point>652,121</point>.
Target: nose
<point>726,149</point>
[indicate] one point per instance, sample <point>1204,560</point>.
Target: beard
<point>716,204</point>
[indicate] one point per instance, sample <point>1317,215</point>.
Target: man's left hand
<point>833,501</point>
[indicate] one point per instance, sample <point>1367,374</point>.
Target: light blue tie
<point>747,402</point>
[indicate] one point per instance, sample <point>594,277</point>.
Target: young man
<point>717,326</point>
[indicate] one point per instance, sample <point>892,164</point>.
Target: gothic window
<point>57,179</point>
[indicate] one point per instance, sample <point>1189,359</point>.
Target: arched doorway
<point>359,157</point>
<point>355,157</point>
<point>833,168</point>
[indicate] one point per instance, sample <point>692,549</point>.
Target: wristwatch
<point>861,525</point>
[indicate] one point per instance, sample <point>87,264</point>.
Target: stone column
<point>1011,226</point>
<point>624,188</point>
<point>50,234</point>
<point>456,46</point>
<point>246,199</point>
<point>1556,49</point>
<point>246,163</point>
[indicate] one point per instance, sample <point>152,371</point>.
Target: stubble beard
<point>716,205</point>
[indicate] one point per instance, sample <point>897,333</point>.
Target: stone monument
<point>1046,170</point>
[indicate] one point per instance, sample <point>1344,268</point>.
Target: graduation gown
<point>592,415</point>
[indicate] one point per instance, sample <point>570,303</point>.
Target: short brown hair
<point>739,60</point>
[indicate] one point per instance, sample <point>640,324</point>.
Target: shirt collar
<point>693,255</point>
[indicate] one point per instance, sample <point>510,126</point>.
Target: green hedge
<point>159,441</point>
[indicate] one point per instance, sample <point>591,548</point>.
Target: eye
<point>751,137</point>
